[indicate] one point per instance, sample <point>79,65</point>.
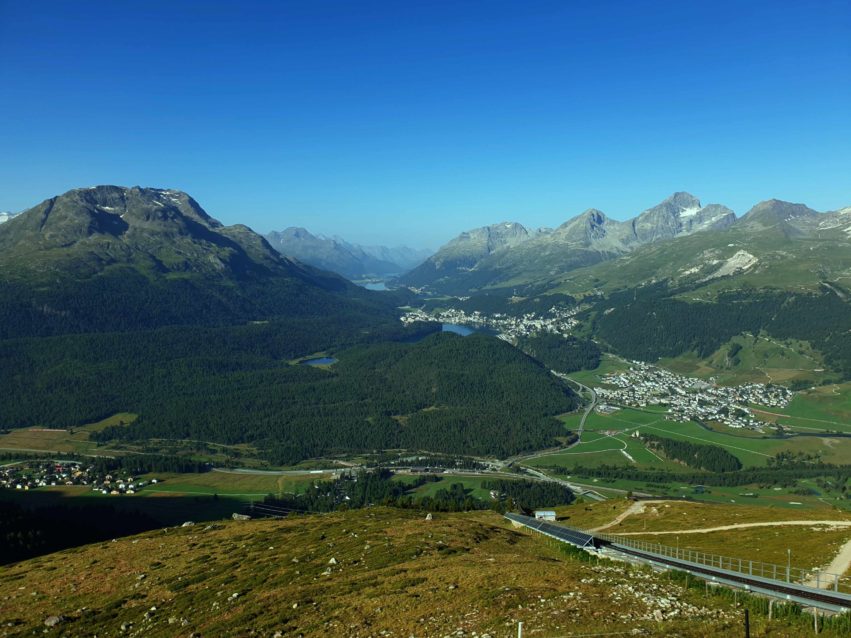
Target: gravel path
<point>722,528</point>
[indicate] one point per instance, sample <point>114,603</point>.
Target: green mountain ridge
<point>116,258</point>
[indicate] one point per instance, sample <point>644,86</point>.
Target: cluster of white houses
<point>28,475</point>
<point>691,399</point>
<point>558,321</point>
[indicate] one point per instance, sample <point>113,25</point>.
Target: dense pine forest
<point>711,458</point>
<point>562,354</point>
<point>444,393</point>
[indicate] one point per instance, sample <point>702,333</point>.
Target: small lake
<point>457,329</point>
<point>321,361</point>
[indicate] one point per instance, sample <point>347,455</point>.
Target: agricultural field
<point>820,409</point>
<point>248,486</point>
<point>471,483</point>
<point>70,440</point>
<point>608,437</point>
<point>76,440</point>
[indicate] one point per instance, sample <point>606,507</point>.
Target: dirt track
<point>722,528</point>
<point>840,564</point>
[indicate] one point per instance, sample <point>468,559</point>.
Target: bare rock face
<point>482,257</point>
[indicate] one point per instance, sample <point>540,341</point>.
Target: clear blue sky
<point>409,121</point>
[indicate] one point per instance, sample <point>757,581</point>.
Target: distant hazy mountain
<point>116,258</point>
<point>403,256</point>
<point>339,256</point>
<point>495,255</point>
<point>4,217</point>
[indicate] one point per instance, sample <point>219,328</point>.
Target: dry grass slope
<point>365,573</point>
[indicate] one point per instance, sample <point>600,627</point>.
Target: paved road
<point>802,593</point>
<point>587,410</point>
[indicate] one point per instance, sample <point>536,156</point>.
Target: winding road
<point>588,410</point>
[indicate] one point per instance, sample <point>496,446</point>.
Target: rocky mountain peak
<point>160,230</point>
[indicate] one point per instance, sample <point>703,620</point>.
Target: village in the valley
<point>28,475</point>
<point>560,321</point>
<point>688,398</point>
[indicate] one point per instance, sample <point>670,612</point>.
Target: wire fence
<point>815,577</point>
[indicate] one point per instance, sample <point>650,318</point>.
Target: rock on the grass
<point>52,621</point>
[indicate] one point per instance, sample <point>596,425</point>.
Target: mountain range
<point>496,255</point>
<point>352,261</point>
<point>677,240</point>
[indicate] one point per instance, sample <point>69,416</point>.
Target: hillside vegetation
<point>353,574</point>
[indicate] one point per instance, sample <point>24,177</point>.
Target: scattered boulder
<point>428,516</point>
<point>52,621</point>
<point>188,524</point>
<point>333,561</point>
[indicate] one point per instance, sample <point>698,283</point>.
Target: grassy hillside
<point>365,573</point>
<point>679,523</point>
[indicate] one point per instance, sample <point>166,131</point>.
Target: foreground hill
<point>339,256</point>
<point>116,258</point>
<point>506,254</point>
<point>361,573</point>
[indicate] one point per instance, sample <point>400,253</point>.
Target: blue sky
<point>408,122</point>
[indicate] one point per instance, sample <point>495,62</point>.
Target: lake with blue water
<point>467,330</point>
<point>379,285</point>
<point>321,361</point>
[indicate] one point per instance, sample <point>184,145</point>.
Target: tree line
<point>786,475</point>
<point>378,487</point>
